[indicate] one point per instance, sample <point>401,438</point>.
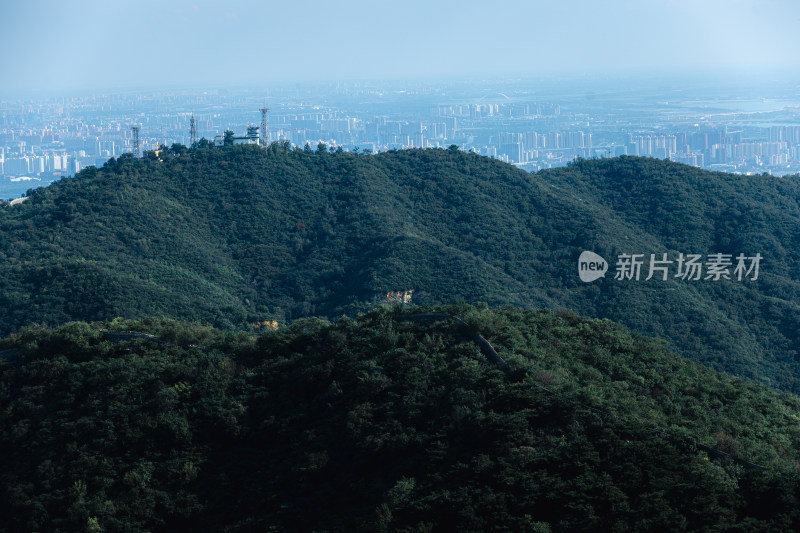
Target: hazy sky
<point>58,45</point>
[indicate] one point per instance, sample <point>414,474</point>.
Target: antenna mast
<point>264,134</point>
<point>135,141</point>
<point>193,130</point>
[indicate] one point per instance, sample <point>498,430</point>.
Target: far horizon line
<point>694,77</point>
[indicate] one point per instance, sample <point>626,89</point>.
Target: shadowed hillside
<point>391,422</point>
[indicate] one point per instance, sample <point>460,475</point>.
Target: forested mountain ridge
<point>386,424</point>
<point>239,234</point>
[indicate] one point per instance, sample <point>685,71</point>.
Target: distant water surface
<point>16,187</point>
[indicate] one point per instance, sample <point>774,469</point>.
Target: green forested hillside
<point>241,234</point>
<point>386,424</point>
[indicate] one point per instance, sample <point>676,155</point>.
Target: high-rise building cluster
<point>719,148</point>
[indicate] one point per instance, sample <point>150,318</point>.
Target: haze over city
<point>712,84</point>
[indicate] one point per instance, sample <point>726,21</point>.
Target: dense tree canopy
<point>241,234</point>
<point>385,424</point>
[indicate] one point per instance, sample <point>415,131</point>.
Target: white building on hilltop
<point>250,138</point>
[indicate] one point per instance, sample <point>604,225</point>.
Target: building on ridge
<point>251,137</point>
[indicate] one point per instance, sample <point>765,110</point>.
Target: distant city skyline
<point>746,130</point>
<point>85,46</point>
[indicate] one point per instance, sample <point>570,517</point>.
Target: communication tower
<point>264,134</point>
<point>193,130</point>
<point>135,141</point>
